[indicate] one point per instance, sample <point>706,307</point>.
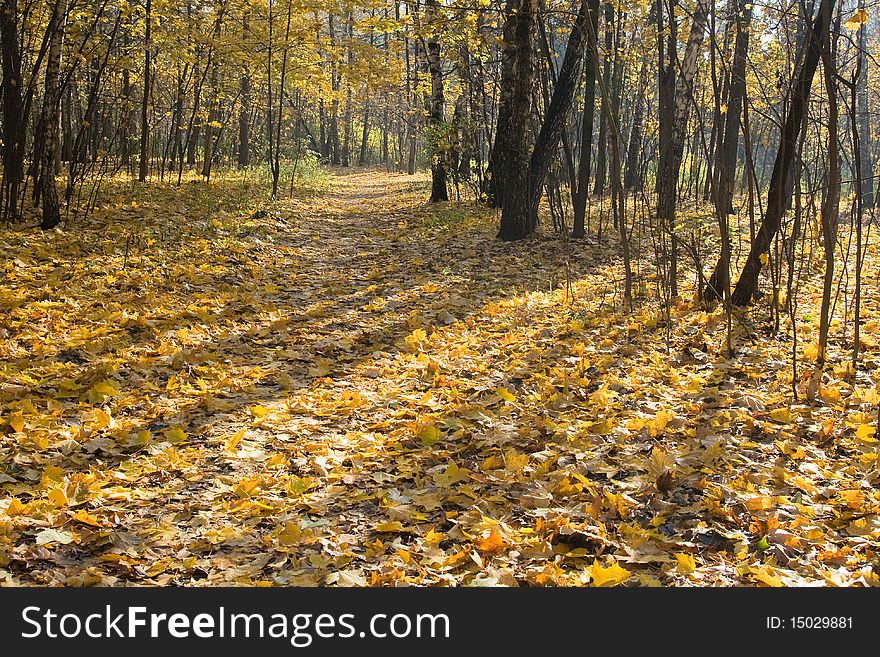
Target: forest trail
<point>358,388</point>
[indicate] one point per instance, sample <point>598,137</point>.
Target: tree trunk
<point>631,177</point>
<point>67,116</point>
<point>348,119</point>
<point>719,283</point>
<point>510,165</point>
<point>386,129</point>
<point>177,120</point>
<point>579,197</point>
<point>782,167</point>
<point>557,113</point>
<point>719,94</point>
<point>244,111</point>
<point>214,103</point>
<point>127,107</point>
<point>435,113</point>
<point>677,81</point>
<point>518,25</point>
<point>145,100</point>
<point>212,120</point>
<point>365,137</point>
<point>275,134</point>
<point>322,129</point>
<point>51,107</point>
<point>347,128</point>
<point>333,127</point>
<point>14,119</point>
<point>831,203</point>
<point>602,153</point>
<point>867,168</point>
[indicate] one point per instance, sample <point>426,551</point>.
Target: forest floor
<point>356,388</point>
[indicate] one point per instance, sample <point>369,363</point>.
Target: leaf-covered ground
<point>355,388</point>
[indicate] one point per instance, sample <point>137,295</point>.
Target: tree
<point>719,282</point>
<point>631,179</point>
<point>509,168</point>
<point>213,101</point>
<point>557,113</point>
<point>602,154</point>
<point>521,211</point>
<point>782,167</point>
<point>14,120</point>
<point>676,84</point>
<point>579,195</point>
<point>435,112</point>
<point>830,204</point>
<point>144,163</point>
<point>51,116</point>
<point>513,104</point>
<point>244,120</point>
<point>867,163</point>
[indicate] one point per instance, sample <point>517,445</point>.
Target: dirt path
<point>188,401</point>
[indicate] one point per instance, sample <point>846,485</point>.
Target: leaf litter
<point>358,389</point>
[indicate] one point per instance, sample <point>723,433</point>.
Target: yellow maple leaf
<point>429,434</point>
<point>104,419</point>
<point>433,537</point>
<point>854,499</point>
<point>16,421</point>
<point>601,428</point>
<point>234,439</point>
<point>686,563</point>
<point>765,575</point>
<point>811,352</point>
<point>260,411</point>
<point>608,576</point>
<point>505,394</point>
<point>141,438</point>
<point>299,485</point>
<point>81,515</point>
<point>829,394</point>
<point>781,415</point>
<point>320,368</point>
<point>415,339</point>
<point>247,486</point>
<point>291,534</point>
<point>158,567</point>
<point>760,503</point>
<point>51,474</point>
<point>515,461</point>
<point>175,435</point>
<point>16,508</point>
<point>451,475</point>
<point>105,388</point>
<point>491,544</point>
<point>58,497</point>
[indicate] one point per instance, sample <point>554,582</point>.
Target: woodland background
<point>439,293</point>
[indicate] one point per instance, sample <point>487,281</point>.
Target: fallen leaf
<point>611,575</point>
<point>451,475</point>
<point>54,536</point>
